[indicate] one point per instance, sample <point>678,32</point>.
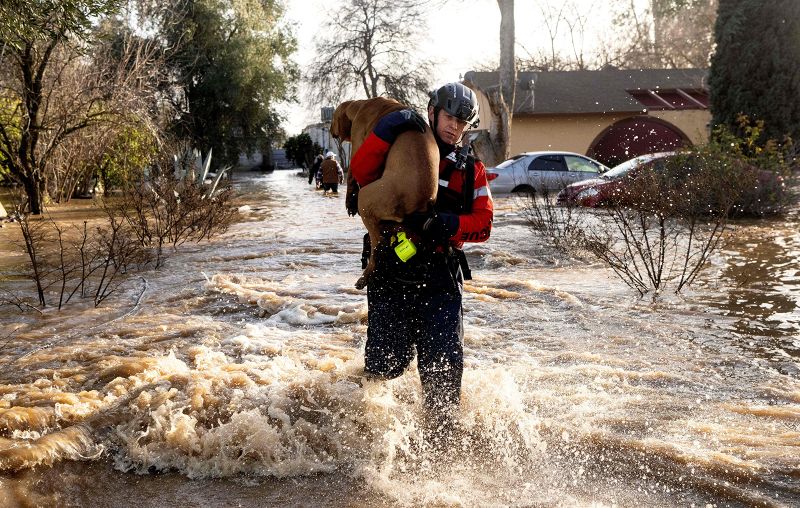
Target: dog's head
<point>341,123</point>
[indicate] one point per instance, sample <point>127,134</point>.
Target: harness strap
<point>469,185</point>
<point>365,250</point>
<point>462,261</point>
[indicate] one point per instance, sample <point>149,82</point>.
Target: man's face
<point>448,128</point>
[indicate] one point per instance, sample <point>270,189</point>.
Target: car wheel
<point>524,191</point>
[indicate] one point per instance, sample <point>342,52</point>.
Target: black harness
<point>449,200</point>
<point>452,201</point>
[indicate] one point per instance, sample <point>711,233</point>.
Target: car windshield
<point>509,162</point>
<point>623,169</point>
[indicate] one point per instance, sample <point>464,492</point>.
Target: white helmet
<point>329,155</point>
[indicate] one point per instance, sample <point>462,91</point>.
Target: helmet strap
<point>436,110</point>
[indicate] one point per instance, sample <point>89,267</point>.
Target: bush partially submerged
<point>93,262</point>
<point>77,260</point>
<point>702,181</point>
<point>163,211</point>
<point>773,162</point>
<point>563,227</point>
<point>665,220</point>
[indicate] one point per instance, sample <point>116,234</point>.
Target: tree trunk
<point>30,165</point>
<point>493,147</point>
<point>508,72</point>
<point>104,179</point>
<point>508,76</point>
<point>657,8</point>
<point>36,190</point>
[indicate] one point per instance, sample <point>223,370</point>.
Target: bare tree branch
<point>369,50</point>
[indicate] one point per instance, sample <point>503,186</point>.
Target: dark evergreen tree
<point>239,66</point>
<point>756,68</point>
<point>230,64</point>
<point>301,149</point>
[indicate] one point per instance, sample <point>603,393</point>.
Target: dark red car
<point>601,190</point>
<point>767,195</point>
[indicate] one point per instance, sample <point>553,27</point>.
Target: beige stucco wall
<point>692,122</point>
<point>484,112</point>
<point>575,133</point>
<point>571,133</point>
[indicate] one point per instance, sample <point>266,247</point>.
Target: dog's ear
<point>341,123</point>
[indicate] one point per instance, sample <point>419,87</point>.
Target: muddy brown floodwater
<point>234,380</point>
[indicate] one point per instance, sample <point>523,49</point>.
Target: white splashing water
<point>248,352</point>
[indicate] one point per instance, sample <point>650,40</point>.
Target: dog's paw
<point>361,283</point>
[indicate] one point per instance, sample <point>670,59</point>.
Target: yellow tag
<point>405,248</point>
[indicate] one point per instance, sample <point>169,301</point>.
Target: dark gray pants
<point>426,319</point>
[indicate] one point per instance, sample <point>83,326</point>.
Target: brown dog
<point>409,180</point>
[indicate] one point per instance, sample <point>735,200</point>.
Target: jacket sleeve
<point>477,225</point>
<point>368,161</point>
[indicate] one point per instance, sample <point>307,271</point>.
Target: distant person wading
<point>332,174</point>
<point>312,173</point>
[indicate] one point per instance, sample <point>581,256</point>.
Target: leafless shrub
<point>660,228</point>
<point>648,250</point>
<point>118,250</point>
<point>563,227</point>
<point>20,302</point>
<point>663,226</point>
<point>210,216</point>
<point>93,261</point>
<point>34,236</point>
<point>164,211</point>
<point>69,260</point>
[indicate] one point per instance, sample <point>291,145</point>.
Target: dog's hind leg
<point>374,206</point>
<point>373,228</point>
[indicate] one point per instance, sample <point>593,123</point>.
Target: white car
<point>538,172</point>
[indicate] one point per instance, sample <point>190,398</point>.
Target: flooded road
<point>230,377</point>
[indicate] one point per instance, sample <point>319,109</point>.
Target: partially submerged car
<point>742,189</point>
<point>539,172</point>
<point>608,187</point>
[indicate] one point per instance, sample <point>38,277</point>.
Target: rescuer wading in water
<point>415,303</point>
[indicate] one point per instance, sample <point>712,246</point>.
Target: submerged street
<point>230,377</point>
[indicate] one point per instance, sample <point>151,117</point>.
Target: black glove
<point>394,124</point>
<point>436,226</point>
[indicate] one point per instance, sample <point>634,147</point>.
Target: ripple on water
<point>243,366</point>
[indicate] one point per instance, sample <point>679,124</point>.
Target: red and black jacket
<point>464,192</point>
